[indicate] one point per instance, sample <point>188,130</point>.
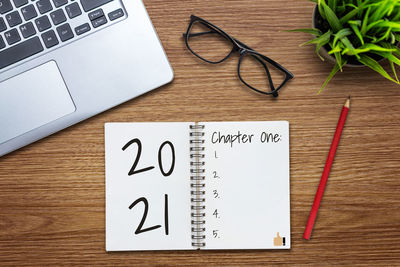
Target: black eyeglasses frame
<point>238,46</point>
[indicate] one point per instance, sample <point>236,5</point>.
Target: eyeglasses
<point>213,45</point>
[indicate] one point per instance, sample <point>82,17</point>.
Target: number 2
<point>139,152</point>
<point>139,229</point>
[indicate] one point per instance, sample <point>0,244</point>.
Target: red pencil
<point>327,169</point>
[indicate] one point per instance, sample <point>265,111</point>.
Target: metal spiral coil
<point>197,184</point>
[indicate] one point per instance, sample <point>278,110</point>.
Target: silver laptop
<point>63,61</point>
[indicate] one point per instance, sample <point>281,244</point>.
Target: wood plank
<point>52,192</point>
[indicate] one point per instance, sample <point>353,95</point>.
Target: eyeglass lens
<point>259,74</point>
<point>208,43</point>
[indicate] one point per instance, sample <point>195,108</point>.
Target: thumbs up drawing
<point>278,240</point>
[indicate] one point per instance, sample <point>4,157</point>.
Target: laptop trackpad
<point>32,99</point>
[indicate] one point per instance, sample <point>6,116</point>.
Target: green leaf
<point>392,60</point>
<point>352,13</point>
<point>313,31</point>
<point>389,56</point>
<point>331,18</point>
<point>373,24</point>
<point>365,22</point>
<point>321,9</point>
<point>397,17</point>
<point>335,69</point>
<point>384,7</point>
<point>357,32</point>
<point>339,60</point>
<point>359,3</point>
<point>392,38</point>
<point>322,38</point>
<point>355,22</point>
<point>340,9</point>
<point>374,65</point>
<point>332,4</point>
<point>394,70</point>
<point>372,38</point>
<point>385,36</point>
<point>337,49</point>
<point>366,48</point>
<point>341,34</point>
<point>374,47</point>
<point>347,44</point>
<point>385,23</point>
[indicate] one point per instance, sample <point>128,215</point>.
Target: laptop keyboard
<point>33,27</point>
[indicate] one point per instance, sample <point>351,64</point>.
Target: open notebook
<point>207,185</point>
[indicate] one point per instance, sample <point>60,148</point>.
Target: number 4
<point>216,214</point>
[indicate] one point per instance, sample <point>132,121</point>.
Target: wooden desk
<point>52,192</point>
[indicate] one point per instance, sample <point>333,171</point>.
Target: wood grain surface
<point>52,192</point>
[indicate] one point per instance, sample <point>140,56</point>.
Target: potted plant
<point>357,33</point>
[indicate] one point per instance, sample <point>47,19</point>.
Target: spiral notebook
<point>206,185</point>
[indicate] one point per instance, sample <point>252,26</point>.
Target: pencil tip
<point>347,104</point>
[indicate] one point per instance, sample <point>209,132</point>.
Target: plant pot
<point>352,62</point>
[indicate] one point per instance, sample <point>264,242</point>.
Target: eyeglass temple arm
<point>199,33</point>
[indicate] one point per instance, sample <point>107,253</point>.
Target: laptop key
<point>50,39</point>
<point>5,6</point>
<point>3,25</point>
<point>59,3</point>
<point>116,14</point>
<point>65,32</point>
<point>12,36</point>
<point>96,14</point>
<point>98,22</point>
<point>82,29</point>
<point>20,51</point>
<point>2,43</point>
<point>58,16</point>
<point>43,23</point>
<point>29,12</point>
<point>27,30</point>
<point>92,4</point>
<point>13,19</point>
<point>73,10</point>
<point>44,6</point>
<point>19,3</point>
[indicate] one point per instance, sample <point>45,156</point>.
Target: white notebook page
<point>123,190</point>
<point>247,185</point>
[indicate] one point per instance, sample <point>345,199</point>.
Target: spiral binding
<point>197,185</point>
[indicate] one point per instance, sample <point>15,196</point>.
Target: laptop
<point>63,61</point>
